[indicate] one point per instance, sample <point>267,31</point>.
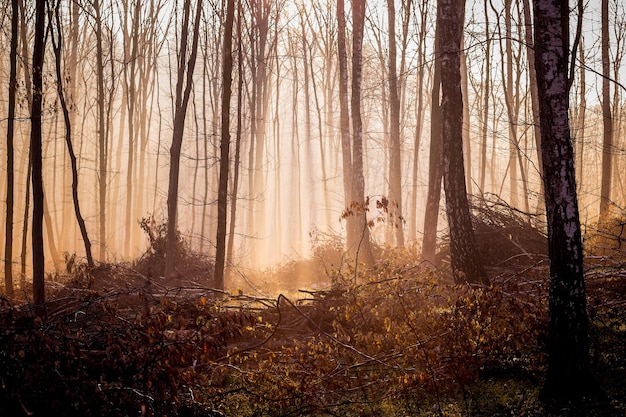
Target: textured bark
<point>183,91</point>
<point>464,258</point>
<point>486,96</point>
<point>222,193</point>
<point>568,374</point>
<point>102,138</point>
<point>344,122</point>
<point>233,204</point>
<point>607,119</point>
<point>8,243</point>
<point>395,155</point>
<point>534,93</point>
<point>57,45</point>
<point>39,295</point>
<point>431,217</point>
<point>419,117</point>
<point>364,251</point>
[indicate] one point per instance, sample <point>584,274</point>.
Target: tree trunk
<point>358,179</point>
<point>233,203</point>
<point>431,216</point>
<point>607,119</point>
<point>185,76</point>
<point>568,374</point>
<point>39,295</point>
<point>222,193</point>
<point>57,46</point>
<point>486,96</point>
<point>464,258</point>
<point>102,138</point>
<point>534,93</point>
<point>395,154</point>
<point>419,119</point>
<point>344,121</point>
<point>8,243</point>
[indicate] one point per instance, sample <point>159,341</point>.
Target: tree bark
<point>464,258</point>
<point>534,93</point>
<point>57,46</point>
<point>8,243</point>
<point>607,119</point>
<point>222,193</point>
<point>102,139</point>
<point>363,249</point>
<point>185,76</point>
<point>431,216</point>
<point>234,193</point>
<point>419,119</point>
<point>568,373</point>
<point>395,154</point>
<point>344,122</point>
<point>39,294</point>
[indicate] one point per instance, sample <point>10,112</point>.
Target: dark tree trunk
<point>233,203</point>
<point>222,193</point>
<point>568,374</point>
<point>183,91</point>
<point>431,216</point>
<point>364,251</point>
<point>607,119</point>
<point>395,155</point>
<point>344,122</point>
<point>8,243</point>
<point>39,294</point>
<point>102,138</point>
<point>464,258</point>
<point>57,45</point>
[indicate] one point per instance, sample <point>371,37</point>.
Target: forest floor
<point>397,339</point>
<point>401,341</point>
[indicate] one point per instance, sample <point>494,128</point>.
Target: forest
<point>312,207</point>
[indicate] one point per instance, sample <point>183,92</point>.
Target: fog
<point>290,186</point>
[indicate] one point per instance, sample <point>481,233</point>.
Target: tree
<point>395,155</point>
<point>431,216</point>
<point>8,243</point>
<point>102,138</point>
<point>344,123</point>
<point>222,194</point>
<point>57,46</point>
<point>419,118</point>
<point>358,179</point>
<point>183,91</point>
<point>233,204</point>
<point>39,294</point>
<point>464,258</point>
<point>568,373</point>
<point>607,119</point>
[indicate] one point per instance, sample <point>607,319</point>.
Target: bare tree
<point>607,118</point>
<point>344,122</point>
<point>8,243</point>
<point>395,151</point>
<point>464,258</point>
<point>57,46</point>
<point>184,83</point>
<point>419,116</point>
<point>431,216</point>
<point>39,294</point>
<point>358,179</point>
<point>102,137</point>
<point>222,194</point>
<point>568,373</point>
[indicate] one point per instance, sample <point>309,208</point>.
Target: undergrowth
<point>396,340</point>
